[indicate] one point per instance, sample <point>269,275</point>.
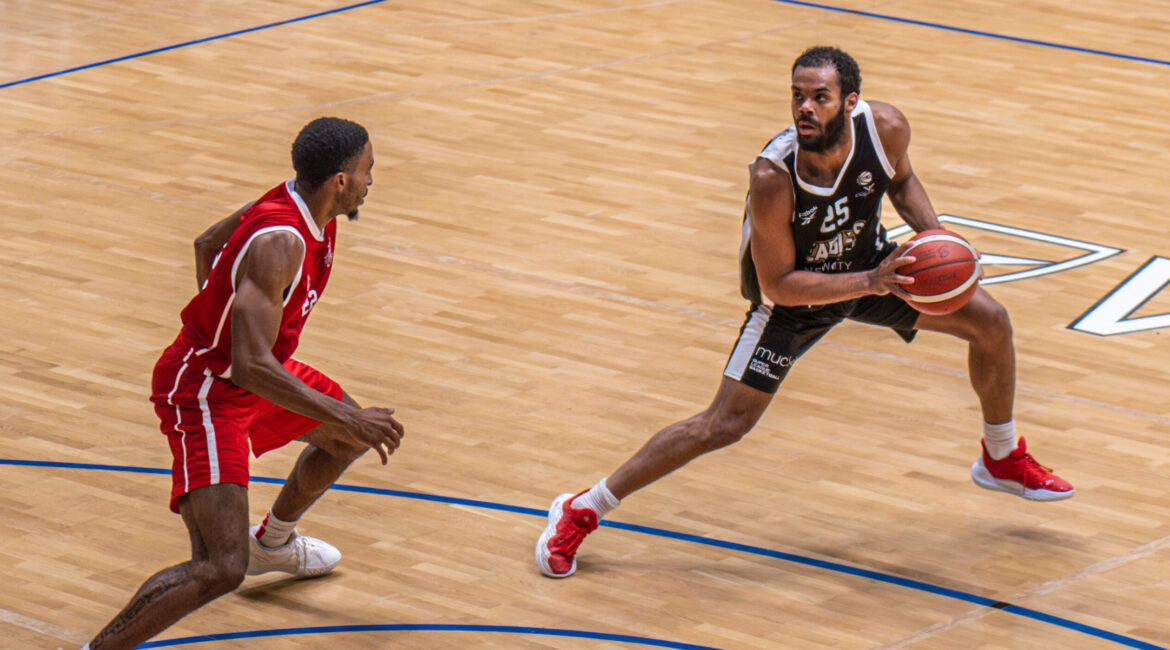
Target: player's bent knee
<point>724,430</point>
<point>995,321</point>
<point>218,577</point>
<point>332,440</point>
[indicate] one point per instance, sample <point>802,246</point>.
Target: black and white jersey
<point>836,229</point>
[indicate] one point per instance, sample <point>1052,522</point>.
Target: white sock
<point>85,647</point>
<point>598,499</point>
<point>274,531</point>
<point>1000,439</point>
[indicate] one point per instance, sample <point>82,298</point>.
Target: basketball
<point>946,272</point>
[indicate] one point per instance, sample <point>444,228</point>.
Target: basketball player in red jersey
<point>229,382</point>
<point>815,253</point>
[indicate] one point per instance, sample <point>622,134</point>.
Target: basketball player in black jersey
<point>815,253</point>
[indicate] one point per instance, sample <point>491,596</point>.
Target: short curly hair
<point>324,147</point>
<point>848,73</point>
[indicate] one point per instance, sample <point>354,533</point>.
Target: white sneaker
<point>301,556</point>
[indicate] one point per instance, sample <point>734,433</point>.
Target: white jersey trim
<point>244,250</point>
<point>179,419</point>
<point>227,308</point>
<point>877,141</point>
<point>786,143</point>
<point>861,107</point>
<point>209,427</point>
<point>779,148</point>
<point>291,186</point>
<point>753,331</point>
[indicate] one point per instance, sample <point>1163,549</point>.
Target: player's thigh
<point>206,426</point>
<point>771,340</point>
<point>982,316</point>
<point>886,311</point>
<point>217,521</point>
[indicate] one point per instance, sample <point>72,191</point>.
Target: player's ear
<point>851,102</point>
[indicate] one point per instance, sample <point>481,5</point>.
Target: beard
<point>830,135</point>
<point>352,215</point>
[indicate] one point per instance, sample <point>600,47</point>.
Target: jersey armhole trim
<point>247,244</point>
<point>876,138</point>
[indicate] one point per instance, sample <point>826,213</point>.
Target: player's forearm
<point>270,380</point>
<point>799,288</point>
<point>913,205</point>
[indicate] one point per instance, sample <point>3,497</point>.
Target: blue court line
<point>662,532</point>
<point>507,629</point>
<point>976,32</point>
<point>813,5</point>
<point>197,41</point>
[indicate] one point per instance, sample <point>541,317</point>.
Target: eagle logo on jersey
<point>866,180</point>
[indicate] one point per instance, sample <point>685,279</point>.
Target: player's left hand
<point>885,278</point>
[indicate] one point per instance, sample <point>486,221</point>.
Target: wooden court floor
<point>545,274</point>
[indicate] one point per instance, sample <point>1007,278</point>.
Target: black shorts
<point>773,338</point>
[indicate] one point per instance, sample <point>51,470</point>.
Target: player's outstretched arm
<point>774,250</point>
<point>269,266</point>
<point>208,243</point>
<point>906,191</point>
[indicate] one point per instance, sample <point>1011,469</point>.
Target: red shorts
<point>211,423</point>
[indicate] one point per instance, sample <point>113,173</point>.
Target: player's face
<point>358,182</point>
<point>818,110</point>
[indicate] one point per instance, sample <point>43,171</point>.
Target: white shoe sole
<point>985,480</point>
<point>554,515</point>
<point>259,566</point>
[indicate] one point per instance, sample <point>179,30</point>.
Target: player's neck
<point>320,206</point>
<point>816,166</point>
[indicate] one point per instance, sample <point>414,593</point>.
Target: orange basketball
<point>946,272</point>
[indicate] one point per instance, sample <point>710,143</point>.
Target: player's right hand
<point>376,428</point>
<point>885,278</point>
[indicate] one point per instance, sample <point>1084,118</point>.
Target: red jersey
<point>207,319</point>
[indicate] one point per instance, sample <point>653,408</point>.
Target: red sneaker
<point>1021,475</point>
<point>567,527</point>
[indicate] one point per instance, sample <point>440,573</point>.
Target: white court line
<point>1039,590</point>
<point>41,627</point>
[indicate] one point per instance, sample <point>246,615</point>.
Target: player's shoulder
<point>766,175</point>
<point>892,127</point>
<point>278,241</point>
<point>887,118</point>
<point>777,153</point>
